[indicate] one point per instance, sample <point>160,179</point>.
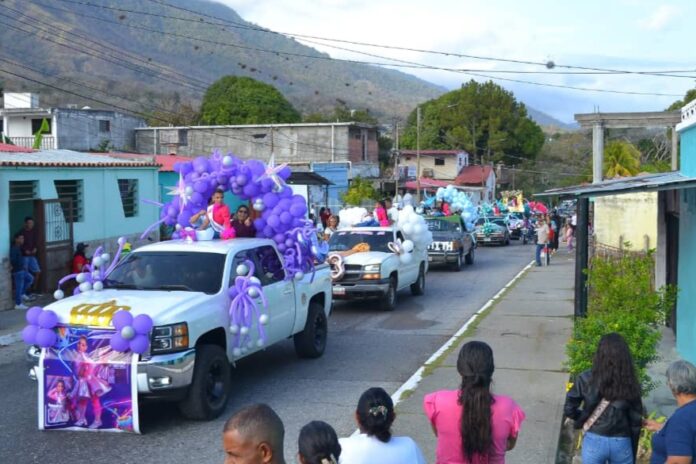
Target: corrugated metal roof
<point>431,152</point>
<point>642,183</point>
<point>68,158</point>
<point>166,162</point>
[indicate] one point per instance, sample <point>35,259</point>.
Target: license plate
<point>487,239</point>
<point>339,290</point>
<point>430,258</point>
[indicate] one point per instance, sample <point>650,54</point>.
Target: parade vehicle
<point>185,287</point>
<point>515,222</point>
<point>452,243</point>
<point>372,264</point>
<point>492,230</point>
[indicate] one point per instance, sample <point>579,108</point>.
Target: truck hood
<point>97,308</point>
<point>368,257</point>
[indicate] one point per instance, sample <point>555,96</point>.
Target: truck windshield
<point>346,240</point>
<point>190,272</point>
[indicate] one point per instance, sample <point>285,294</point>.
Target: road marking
<point>417,376</point>
<point>9,339</point>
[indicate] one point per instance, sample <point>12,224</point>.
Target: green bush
<point>360,190</point>
<point>622,300</point>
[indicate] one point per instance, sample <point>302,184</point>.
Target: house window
<point>104,125</point>
<point>36,125</point>
<point>23,190</point>
<point>71,190</point>
<point>439,161</point>
<point>129,196</point>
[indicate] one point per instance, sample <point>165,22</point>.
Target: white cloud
<point>660,18</point>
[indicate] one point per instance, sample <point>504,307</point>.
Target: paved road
<point>367,347</point>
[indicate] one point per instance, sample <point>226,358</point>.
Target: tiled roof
<point>473,175</point>
<point>431,152</point>
<point>7,148</point>
<point>68,158</point>
<point>166,162</point>
<point>426,182</point>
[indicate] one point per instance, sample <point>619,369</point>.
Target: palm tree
<point>621,159</point>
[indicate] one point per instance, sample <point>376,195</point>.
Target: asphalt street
<point>366,347</point>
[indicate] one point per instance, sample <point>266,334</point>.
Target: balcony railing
<point>48,142</point>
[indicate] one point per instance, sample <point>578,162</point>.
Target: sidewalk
<point>12,320</point>
<point>527,327</point>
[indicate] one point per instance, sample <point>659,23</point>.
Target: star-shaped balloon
<point>181,190</point>
<point>272,172</point>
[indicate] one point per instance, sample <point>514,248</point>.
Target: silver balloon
<point>128,332</point>
<point>259,205</point>
<point>227,160</point>
<point>242,269</point>
<point>253,292</point>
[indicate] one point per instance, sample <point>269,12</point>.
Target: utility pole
<point>396,161</point>
<point>418,126</point>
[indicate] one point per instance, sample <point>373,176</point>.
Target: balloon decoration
<point>244,311</point>
<point>460,203</point>
<point>132,333</point>
<point>262,184</point>
<point>415,230</point>
<point>40,329</point>
<point>348,217</point>
<point>93,275</point>
<point>338,268</point>
<point>403,250</point>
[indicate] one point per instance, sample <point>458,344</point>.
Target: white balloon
<point>85,287</point>
<point>263,319</point>
<point>418,229</point>
<point>105,257</point>
<point>244,350</point>
<point>299,275</point>
<point>95,275</point>
<point>98,286</point>
<point>97,261</point>
<point>188,190</point>
<point>260,343</point>
<point>121,241</point>
<point>236,352</point>
<point>227,160</point>
<point>250,345</point>
<point>80,278</point>
<point>255,280</point>
<point>58,294</point>
<point>234,329</point>
<point>406,258</point>
<point>407,246</point>
<point>407,228</point>
<point>244,330</point>
<point>242,269</point>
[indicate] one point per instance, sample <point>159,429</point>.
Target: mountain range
<point>134,54</point>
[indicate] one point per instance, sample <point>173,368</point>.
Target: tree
<point>171,110</point>
<point>360,190</point>
<point>621,159</point>
<point>483,119</point>
<point>243,100</point>
<point>341,113</point>
<point>677,105</point>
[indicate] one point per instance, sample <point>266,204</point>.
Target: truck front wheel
<point>311,342</point>
<point>210,390</point>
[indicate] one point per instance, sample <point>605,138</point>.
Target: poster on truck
<point>85,385</point>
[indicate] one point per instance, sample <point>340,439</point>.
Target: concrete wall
<point>686,300</point>
<point>447,172</point>
<point>79,129</point>
<point>626,218</point>
<point>291,144</point>
<point>103,221</point>
<point>687,152</point>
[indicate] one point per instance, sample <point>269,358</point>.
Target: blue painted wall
<point>687,152</point>
<point>336,173</point>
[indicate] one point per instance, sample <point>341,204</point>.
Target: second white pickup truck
<point>183,287</point>
<point>379,272</point>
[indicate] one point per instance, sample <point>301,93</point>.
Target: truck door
<point>408,272</point>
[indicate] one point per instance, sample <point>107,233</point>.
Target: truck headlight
<point>371,268</point>
<point>371,272</point>
<point>169,338</point>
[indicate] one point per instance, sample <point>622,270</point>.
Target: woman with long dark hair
<point>375,443</point>
<point>318,444</point>
<point>473,426</point>
<point>605,402</point>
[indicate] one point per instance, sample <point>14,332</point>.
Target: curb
<point>413,381</point>
<point>9,339</point>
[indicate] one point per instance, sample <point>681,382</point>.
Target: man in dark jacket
<point>22,279</point>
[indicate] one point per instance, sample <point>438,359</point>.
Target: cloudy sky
<point>639,35</point>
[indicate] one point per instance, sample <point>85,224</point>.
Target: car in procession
<point>185,289</point>
<point>372,265</point>
<point>491,230</point>
<point>452,243</point>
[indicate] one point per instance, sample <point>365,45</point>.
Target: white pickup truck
<point>379,272</point>
<point>183,287</point>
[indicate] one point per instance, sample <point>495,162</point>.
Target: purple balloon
<point>121,319</point>
<point>273,221</point>
<point>184,218</point>
<point>176,236</point>
<point>285,204</point>
<point>270,200</point>
<point>256,167</point>
<point>244,169</point>
<point>286,218</point>
<point>222,179</point>
<point>289,242</point>
<point>139,344</point>
<point>284,173</point>
<point>279,238</point>
<point>298,222</point>
<point>118,343</point>
<point>172,212</point>
<point>242,179</point>
<point>213,183</point>
<point>232,292</point>
<point>282,247</point>
<point>201,186</point>
<point>251,190</point>
<point>200,164</point>
<point>268,232</point>
<point>286,192</point>
<point>298,210</point>
<point>45,338</point>
<point>298,199</point>
<point>32,315</point>
<point>237,190</point>
<point>142,323</point>
<point>29,334</point>
<point>259,223</point>
<point>48,319</point>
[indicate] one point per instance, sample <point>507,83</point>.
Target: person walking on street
<point>472,425</point>
<point>675,440</point>
<point>29,250</point>
<point>542,233</point>
<point>22,279</point>
<point>605,402</point>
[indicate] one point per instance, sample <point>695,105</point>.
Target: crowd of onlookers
<point>474,426</point>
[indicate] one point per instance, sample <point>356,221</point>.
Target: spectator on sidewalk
<point>331,227</point>
<point>318,444</point>
<point>21,278</point>
<point>29,250</point>
<point>79,260</point>
<point>254,435</point>
<point>542,233</point>
<point>675,440</point>
<point>375,443</point>
<point>473,425</point>
<point>605,402</point>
